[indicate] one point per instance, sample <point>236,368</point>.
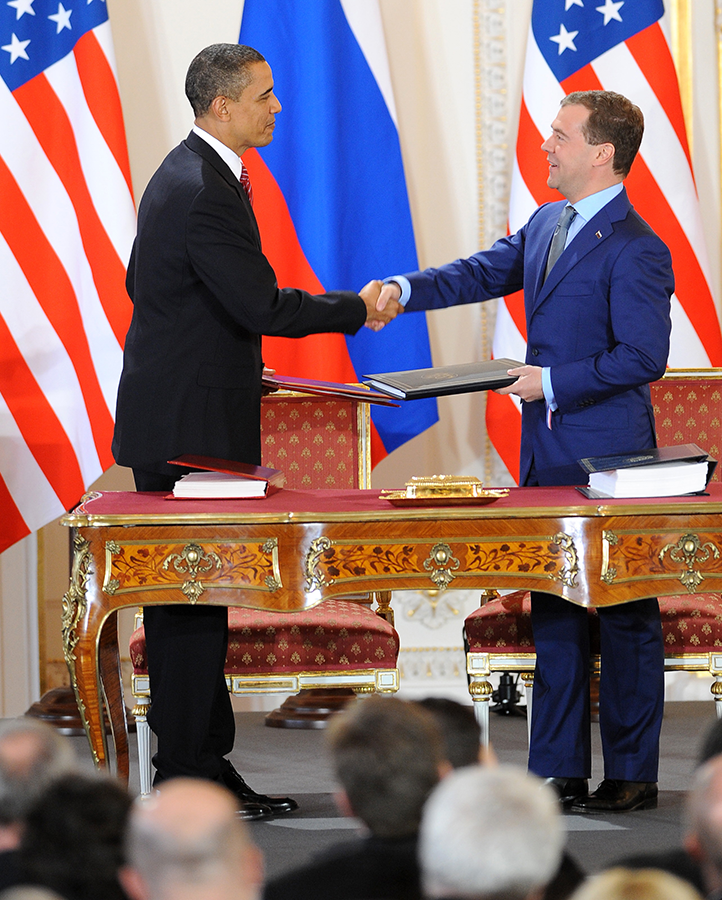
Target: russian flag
<point>330,193</point>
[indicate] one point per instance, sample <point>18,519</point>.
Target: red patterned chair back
<point>688,410</point>
<point>318,443</point>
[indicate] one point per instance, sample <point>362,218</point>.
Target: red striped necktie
<point>246,182</point>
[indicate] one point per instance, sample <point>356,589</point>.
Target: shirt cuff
<point>548,389</point>
<point>405,286</point>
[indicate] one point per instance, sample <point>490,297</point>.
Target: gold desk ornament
<point>444,490</point>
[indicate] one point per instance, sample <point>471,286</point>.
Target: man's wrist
<point>404,285</point>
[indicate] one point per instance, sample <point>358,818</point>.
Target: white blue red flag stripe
<point>66,225</point>
<point>624,47</point>
<point>330,192</point>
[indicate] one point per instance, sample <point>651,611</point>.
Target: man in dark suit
<point>203,294</point>
<point>388,754</point>
<point>598,326</point>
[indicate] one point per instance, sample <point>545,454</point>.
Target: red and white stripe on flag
<point>67,222</point>
<point>572,47</point>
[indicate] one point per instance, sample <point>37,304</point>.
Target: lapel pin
<point>599,234</point>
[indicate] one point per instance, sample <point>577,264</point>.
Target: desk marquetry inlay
<point>347,562</point>
<point>653,555</point>
<point>192,566</point>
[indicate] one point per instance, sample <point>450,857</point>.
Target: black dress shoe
<point>619,796</point>
<point>568,789</point>
<point>252,812</point>
<point>235,782</point>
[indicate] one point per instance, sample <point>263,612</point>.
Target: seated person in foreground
<point>188,843</point>
<point>636,884</point>
<point>490,832</point>
<point>388,755</point>
<point>32,755</point>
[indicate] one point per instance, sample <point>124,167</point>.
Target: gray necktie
<point>560,237</point>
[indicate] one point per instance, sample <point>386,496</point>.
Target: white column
<point>19,655</point>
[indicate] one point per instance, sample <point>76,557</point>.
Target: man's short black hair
<point>221,70</point>
<point>459,728</point>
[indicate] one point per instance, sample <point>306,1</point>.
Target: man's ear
<point>219,108</point>
<point>693,847</point>
<point>604,155</point>
<point>132,883</point>
<point>344,804</point>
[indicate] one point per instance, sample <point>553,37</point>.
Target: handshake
<point>382,303</point>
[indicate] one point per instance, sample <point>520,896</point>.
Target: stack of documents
<point>657,472</point>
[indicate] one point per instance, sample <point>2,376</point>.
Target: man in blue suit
<point>597,286</point>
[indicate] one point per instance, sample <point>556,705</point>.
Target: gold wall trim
<point>476,25</point>
<point>718,29</point>
<point>681,21</point>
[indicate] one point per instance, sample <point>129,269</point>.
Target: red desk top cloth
<point>142,505</point>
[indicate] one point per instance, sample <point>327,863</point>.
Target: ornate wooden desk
<point>295,548</point>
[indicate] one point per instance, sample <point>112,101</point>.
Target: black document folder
<point>438,381</point>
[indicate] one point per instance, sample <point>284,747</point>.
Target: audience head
<point>73,837</point>
<point>388,754</point>
<point>703,825</point>
<point>490,832</point>
<point>460,731</point>
<point>636,884</point>
<point>29,892</point>
<point>186,843</point>
<point>32,754</point>
<point>711,742</point>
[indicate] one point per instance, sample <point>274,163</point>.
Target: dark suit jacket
<point>203,293</point>
<point>601,321</point>
<point>372,868</point>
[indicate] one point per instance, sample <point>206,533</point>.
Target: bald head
<point>32,755</point>
<point>187,842</point>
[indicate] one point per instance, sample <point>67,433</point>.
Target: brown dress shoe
<point>619,796</point>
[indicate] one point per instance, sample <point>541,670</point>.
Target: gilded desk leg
<point>111,681</point>
<point>79,649</point>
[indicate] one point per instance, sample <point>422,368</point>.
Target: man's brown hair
<point>387,755</point>
<point>612,120</point>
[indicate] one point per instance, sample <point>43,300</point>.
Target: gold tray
<point>401,498</point>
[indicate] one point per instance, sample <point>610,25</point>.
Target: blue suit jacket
<point>601,322</point>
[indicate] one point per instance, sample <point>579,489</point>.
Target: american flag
<point>66,226</point>
<point>618,46</point>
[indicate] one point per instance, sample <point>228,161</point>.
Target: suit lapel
<point>594,233</point>
<point>204,149</point>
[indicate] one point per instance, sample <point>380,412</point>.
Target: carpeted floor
<point>288,761</point>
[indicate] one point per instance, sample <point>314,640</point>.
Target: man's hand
<point>390,293</point>
<point>377,317</point>
<point>265,388</point>
<point>529,383</point>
